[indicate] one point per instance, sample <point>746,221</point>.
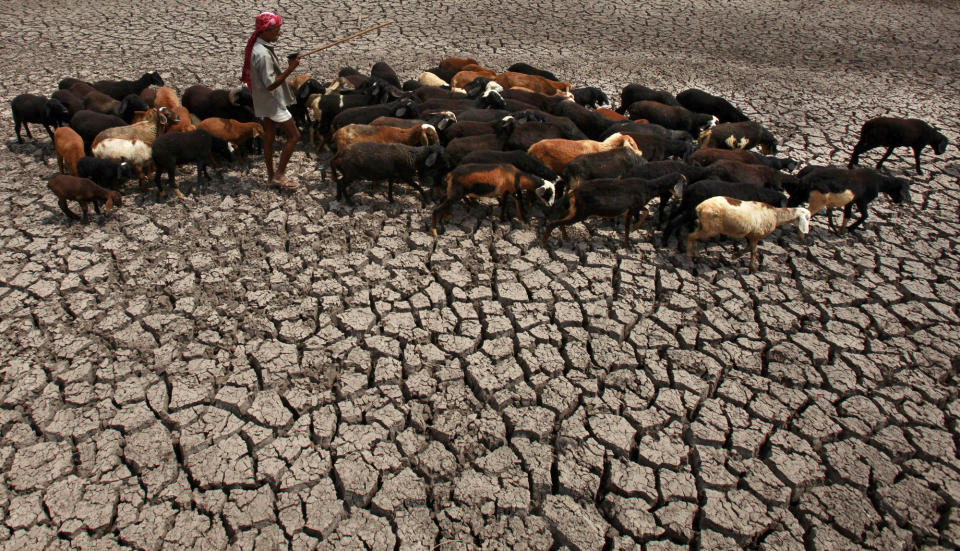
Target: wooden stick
<point>352,36</point>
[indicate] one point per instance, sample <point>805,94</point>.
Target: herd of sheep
<point>461,129</point>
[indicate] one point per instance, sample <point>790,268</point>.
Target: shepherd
<point>271,94</point>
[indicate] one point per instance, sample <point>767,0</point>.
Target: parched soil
<point>252,368</point>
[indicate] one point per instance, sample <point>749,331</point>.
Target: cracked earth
<point>255,369</point>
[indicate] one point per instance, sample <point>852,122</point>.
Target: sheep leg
<point>753,254</point>
<point>520,212</point>
<point>453,194</point>
<point>855,157</point>
<point>140,177</point>
<point>916,158</point>
<point>847,213</point>
<point>85,210</point>
<point>884,158</point>
<point>863,216</point>
<point>17,124</point>
<point>390,190</point>
<point>626,228</point>
<point>27,128</point>
<point>503,207</point>
<point>694,236</point>
<point>423,194</point>
<point>641,220</point>
<point>60,164</point>
<point>830,223</point>
<point>572,217</point>
<point>66,210</point>
<point>50,132</point>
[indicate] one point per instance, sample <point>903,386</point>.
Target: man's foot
<point>284,182</point>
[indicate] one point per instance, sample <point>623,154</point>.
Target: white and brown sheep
<point>752,220</point>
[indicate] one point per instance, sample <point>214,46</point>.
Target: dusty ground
<point>257,369</point>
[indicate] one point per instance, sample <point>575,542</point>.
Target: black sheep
<point>529,133</point>
<point>633,93</point>
<point>739,135</point>
<point>603,164</point>
<point>658,148</point>
<point>531,70</point>
<point>461,147</point>
<point>488,100</point>
<point>299,109</point>
<point>750,173</point>
<point>105,172</point>
<point>591,123</point>
<point>590,96</point>
<point>178,148</point>
<point>686,212</point>
<point>90,123</point>
<point>657,169</point>
<point>118,89</point>
<point>392,162</point>
<point>706,156</point>
<point>703,102</point>
<point>519,159</point>
<point>827,186</point>
<point>68,83</point>
<point>465,128</point>
<point>891,132</point>
<point>29,108</point>
<point>125,109</point>
<point>445,74</point>
<point>404,108</point>
<point>204,102</point>
<point>612,197</point>
<point>675,118</point>
<point>382,70</point>
<point>71,101</point>
<point>650,129</point>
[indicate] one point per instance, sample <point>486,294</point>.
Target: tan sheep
<point>751,220</point>
<point>556,153</point>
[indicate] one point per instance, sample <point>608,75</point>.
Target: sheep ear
<point>432,159</point>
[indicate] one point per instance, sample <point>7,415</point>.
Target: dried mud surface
<point>256,369</point>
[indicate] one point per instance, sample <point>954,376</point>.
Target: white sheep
<point>429,79</point>
<point>134,143</point>
<point>751,220</point>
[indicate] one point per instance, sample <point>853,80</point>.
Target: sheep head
<point>547,192</point>
<point>940,145</point>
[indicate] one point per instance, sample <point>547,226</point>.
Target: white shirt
<point>264,68</point>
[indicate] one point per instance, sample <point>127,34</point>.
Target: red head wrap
<point>264,21</point>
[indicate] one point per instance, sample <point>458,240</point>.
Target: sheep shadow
<point>41,149</point>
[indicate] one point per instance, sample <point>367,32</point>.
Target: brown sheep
<point>535,83</point>
<point>69,146</point>
<point>84,191</point>
<point>237,133</point>
<point>423,134</point>
<point>556,153</point>
<point>167,97</point>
